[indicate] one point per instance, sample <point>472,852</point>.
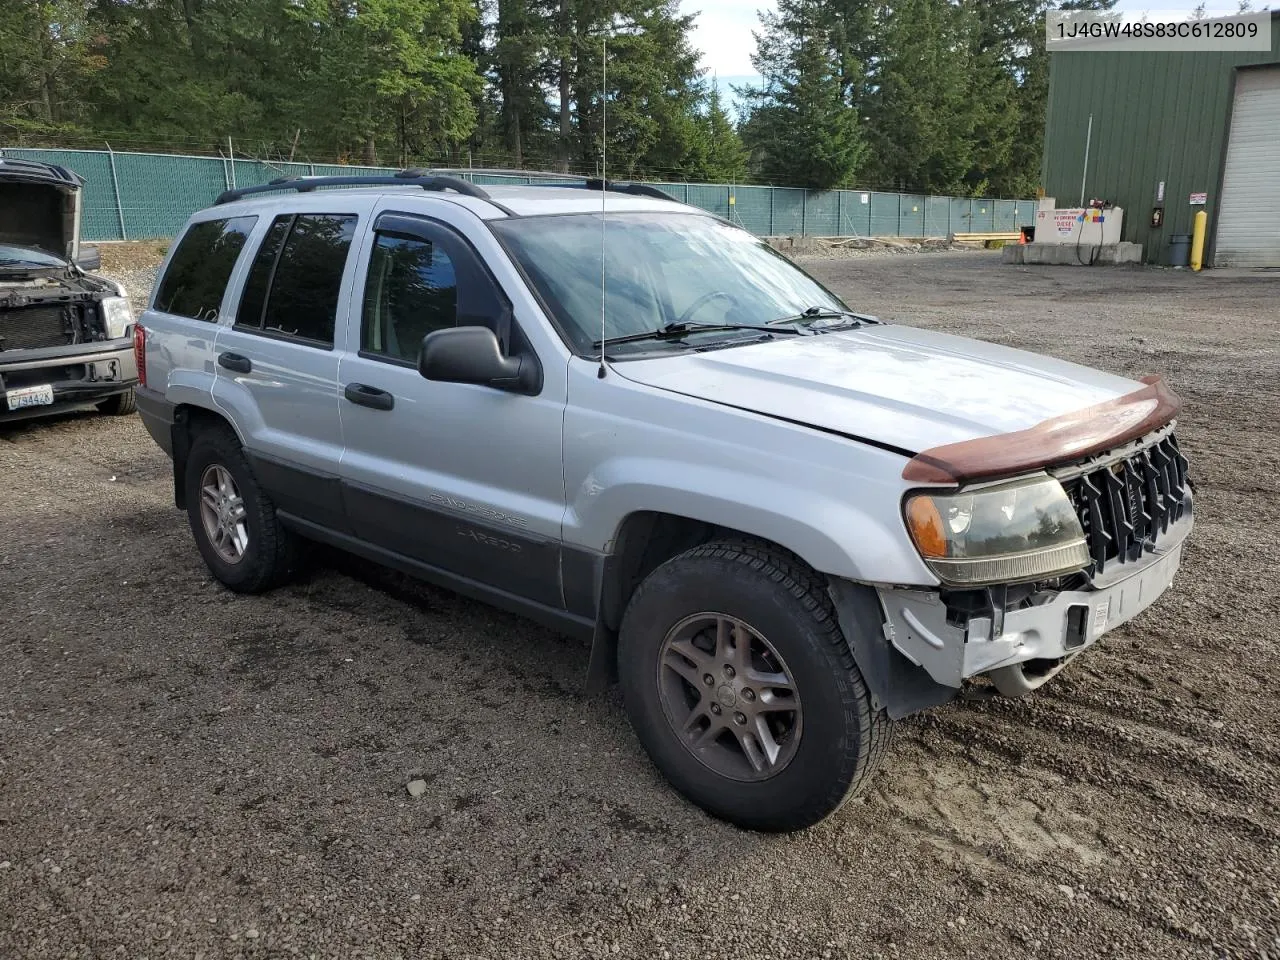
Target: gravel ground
<point>189,773</point>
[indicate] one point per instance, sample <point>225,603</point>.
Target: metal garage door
<point>1249,220</point>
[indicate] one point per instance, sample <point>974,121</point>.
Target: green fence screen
<point>136,196</point>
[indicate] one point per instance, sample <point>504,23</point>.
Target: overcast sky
<point>723,29</point>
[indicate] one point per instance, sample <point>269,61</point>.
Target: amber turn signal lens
<point>925,523</point>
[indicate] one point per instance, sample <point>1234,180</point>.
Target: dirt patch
<point>187,771</point>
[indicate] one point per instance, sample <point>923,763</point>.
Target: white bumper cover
<point>916,624</point>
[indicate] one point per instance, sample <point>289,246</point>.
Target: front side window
<point>296,278</point>
<point>660,268</point>
<point>411,290</point>
<point>198,272</point>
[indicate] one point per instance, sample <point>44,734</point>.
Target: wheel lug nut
<point>715,708</point>
<point>728,672</point>
<point>709,680</point>
<point>748,695</point>
<point>739,718</point>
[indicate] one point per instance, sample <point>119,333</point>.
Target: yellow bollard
<point>1197,239</point>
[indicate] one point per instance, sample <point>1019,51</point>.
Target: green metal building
<point>1182,123</point>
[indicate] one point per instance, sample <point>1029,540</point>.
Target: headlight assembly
<point>117,314</point>
<point>1024,530</point>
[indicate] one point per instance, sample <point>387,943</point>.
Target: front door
<point>466,479</point>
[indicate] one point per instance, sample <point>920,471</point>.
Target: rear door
<point>467,479</point>
<point>194,291</point>
<point>277,360</point>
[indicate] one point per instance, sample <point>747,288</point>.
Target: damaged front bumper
<point>1021,647</point>
<point>73,375</point>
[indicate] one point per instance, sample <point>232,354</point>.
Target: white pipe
<point>1088,139</point>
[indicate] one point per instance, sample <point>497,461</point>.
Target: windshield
<point>661,268</point>
<point>28,258</point>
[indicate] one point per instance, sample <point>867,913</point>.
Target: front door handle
<point>233,361</point>
<point>368,396</point>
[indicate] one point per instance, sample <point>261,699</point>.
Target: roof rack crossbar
<point>413,178</point>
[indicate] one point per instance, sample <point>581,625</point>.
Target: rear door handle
<point>368,396</point>
<point>233,361</point>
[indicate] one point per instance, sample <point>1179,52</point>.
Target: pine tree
<point>800,128</point>
<point>521,72</point>
<point>922,113</point>
<point>721,155</point>
<point>654,86</point>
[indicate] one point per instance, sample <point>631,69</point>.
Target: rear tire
<point>119,405</point>
<point>233,521</point>
<point>821,741</point>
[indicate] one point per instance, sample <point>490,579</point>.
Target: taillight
<point>140,352</point>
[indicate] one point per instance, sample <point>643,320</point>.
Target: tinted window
<point>254,298</point>
<point>411,290</point>
<point>199,270</point>
<point>304,279</point>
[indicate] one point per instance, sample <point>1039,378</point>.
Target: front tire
<point>119,405</point>
<point>743,690</point>
<point>233,521</point>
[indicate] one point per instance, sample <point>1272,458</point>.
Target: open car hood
<point>40,206</point>
<point>899,387</point>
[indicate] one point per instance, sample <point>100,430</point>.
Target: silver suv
<point>781,524</point>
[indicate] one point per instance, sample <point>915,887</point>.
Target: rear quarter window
<point>197,275</point>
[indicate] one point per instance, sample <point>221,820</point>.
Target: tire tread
<point>276,559</point>
<point>862,757</point>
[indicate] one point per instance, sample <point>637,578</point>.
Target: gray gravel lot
<point>189,773</point>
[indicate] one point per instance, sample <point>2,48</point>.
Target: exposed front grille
<point>31,327</point>
<point>1128,504</point>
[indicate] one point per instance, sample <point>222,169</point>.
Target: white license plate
<point>40,396</point>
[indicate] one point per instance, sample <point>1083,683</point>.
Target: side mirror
<point>473,355</point>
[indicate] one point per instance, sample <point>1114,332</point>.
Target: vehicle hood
<point>25,262</point>
<point>39,206</point>
<point>895,386</point>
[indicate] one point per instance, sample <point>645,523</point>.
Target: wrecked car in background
<point>66,336</point>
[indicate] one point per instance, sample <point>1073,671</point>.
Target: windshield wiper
<point>674,331</point>
<point>824,313</point>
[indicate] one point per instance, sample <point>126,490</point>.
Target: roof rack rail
<point>631,187</point>
<point>501,172</point>
<point>588,182</point>
<point>412,177</point>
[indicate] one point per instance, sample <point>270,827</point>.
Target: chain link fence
<point>137,196</point>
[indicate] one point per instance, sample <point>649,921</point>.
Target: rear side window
<point>198,272</point>
<point>296,278</point>
<point>254,298</point>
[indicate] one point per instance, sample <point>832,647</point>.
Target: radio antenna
<point>604,184</point>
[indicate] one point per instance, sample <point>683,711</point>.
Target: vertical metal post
<point>804,213</point>
<point>312,167</point>
<point>839,211</point>
<point>115,185</point>
<point>231,152</point>
<point>899,233</point>
<point>1084,173</point>
<point>772,190</point>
